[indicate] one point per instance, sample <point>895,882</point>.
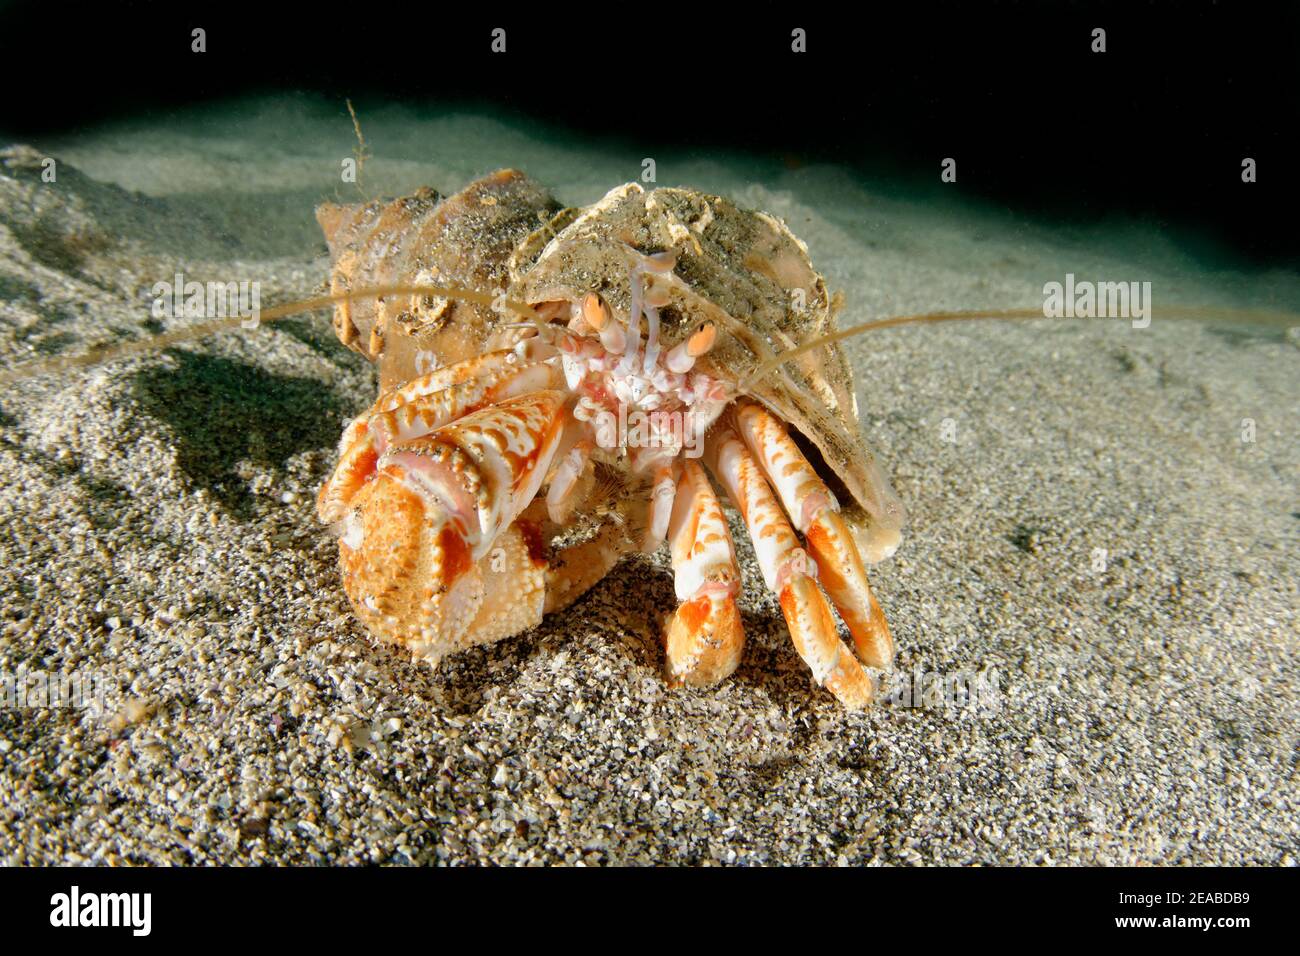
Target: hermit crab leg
<point>662,495</point>
<point>481,366</point>
<point>704,638</point>
<point>786,569</point>
<point>486,467</point>
<point>420,407</point>
<point>816,514</point>
<point>571,457</point>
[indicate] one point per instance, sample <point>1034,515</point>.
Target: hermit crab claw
<point>428,515</point>
<point>438,547</point>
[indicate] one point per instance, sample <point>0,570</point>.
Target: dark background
<point>1155,127</point>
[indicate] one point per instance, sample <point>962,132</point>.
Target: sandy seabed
<point>157,535</point>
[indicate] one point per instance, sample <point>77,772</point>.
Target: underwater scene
<point>403,480</point>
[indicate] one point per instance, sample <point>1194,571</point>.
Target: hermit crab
<point>562,386</point>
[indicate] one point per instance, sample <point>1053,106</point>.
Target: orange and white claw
<point>406,570</point>
<point>787,570</point>
<point>816,514</point>
<point>420,540</point>
<point>704,638</point>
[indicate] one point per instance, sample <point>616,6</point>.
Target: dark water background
<point>1155,128</point>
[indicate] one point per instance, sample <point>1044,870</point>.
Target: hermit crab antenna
<point>110,353</point>
<point>781,358</point>
<point>776,361</point>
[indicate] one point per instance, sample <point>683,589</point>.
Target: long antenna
<point>776,361</point>
<point>109,353</point>
<point>1262,316</point>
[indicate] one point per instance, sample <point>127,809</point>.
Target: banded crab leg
<point>786,568</point>
<point>704,638</point>
<point>488,366</point>
<point>663,494</point>
<point>571,460</point>
<point>420,407</point>
<point>817,517</point>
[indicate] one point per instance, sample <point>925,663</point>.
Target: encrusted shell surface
<point>464,240</point>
